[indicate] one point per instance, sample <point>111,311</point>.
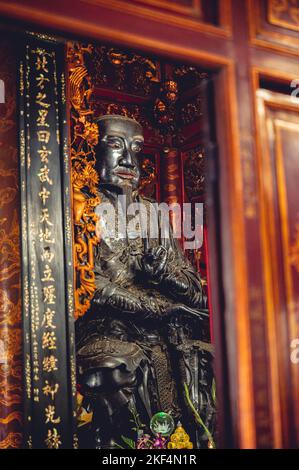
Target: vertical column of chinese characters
<point>47,269</point>
<point>33,285</point>
<point>44,61</point>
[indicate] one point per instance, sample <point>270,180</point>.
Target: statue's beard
<point>118,184</point>
<point>126,189</point>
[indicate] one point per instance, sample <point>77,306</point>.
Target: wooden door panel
<point>278,135</point>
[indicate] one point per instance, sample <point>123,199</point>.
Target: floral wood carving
<point>164,108</point>
<point>148,177</point>
<point>194,173</point>
<point>84,175</point>
<point>284,13</point>
<point>10,281</point>
<point>123,70</point>
<point>191,111</point>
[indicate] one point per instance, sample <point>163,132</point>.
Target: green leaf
<point>129,442</point>
<point>198,417</point>
<point>117,445</point>
<point>214,391</point>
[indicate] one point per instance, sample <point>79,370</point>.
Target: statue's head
<point>120,141</point>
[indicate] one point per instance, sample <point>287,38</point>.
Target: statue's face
<point>119,146</point>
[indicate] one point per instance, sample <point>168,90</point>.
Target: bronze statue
<point>143,337</point>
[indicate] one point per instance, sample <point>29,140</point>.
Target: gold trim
<point>42,36</point>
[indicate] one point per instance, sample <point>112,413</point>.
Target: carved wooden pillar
<point>10,298</point>
<point>170,180</point>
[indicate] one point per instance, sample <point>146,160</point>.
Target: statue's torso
<point>118,257</point>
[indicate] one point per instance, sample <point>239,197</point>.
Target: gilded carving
<point>284,13</point>
<point>84,176</point>
<point>164,108</point>
<point>194,173</point>
<point>148,177</point>
<point>10,298</point>
<point>11,441</point>
<point>123,70</point>
<point>191,111</point>
<point>9,243</point>
<point>133,111</point>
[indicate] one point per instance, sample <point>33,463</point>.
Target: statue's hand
<point>118,299</point>
<point>154,262</point>
<point>179,310</point>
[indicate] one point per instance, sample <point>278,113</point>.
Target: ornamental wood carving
<point>284,13</point>
<point>10,287</point>
<point>84,176</point>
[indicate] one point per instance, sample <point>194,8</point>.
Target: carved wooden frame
<point>269,39</point>
<point>279,22</point>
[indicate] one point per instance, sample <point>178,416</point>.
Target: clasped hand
<point>154,262</point>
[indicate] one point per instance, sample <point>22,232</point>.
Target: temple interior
<point>186,339</point>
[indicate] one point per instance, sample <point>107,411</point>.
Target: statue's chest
<point>121,242</point>
<point>118,251</point>
<point>119,234</point>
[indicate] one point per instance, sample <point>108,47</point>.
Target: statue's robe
<point>151,349</point>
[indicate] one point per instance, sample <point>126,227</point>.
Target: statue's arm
<point>181,279</point>
<point>184,283</point>
<point>168,267</point>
